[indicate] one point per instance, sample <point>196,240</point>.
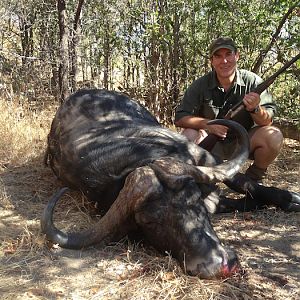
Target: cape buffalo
<point>144,177</point>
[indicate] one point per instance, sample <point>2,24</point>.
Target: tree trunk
<point>106,51</point>
<point>73,47</point>
<point>63,51</point>
<point>175,61</point>
<point>26,40</point>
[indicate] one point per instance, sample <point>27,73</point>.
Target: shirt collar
<point>239,78</point>
<point>214,82</point>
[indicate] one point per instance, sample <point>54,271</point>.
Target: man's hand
<point>261,117</point>
<point>251,101</point>
<point>219,130</point>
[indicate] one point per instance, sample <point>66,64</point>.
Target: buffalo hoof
<point>294,203</point>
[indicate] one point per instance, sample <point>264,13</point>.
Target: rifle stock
<point>209,142</point>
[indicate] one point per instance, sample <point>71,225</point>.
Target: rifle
<point>211,139</point>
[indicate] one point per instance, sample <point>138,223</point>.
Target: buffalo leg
<point>260,195</point>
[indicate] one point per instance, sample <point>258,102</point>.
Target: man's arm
<point>259,114</point>
<point>198,123</point>
<point>192,122</point>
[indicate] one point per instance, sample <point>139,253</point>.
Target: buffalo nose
<point>230,265</point>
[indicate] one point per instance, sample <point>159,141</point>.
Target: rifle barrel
<point>265,84</point>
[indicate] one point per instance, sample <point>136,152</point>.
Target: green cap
<point>222,42</point>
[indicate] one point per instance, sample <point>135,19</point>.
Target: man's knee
<point>276,139</point>
<point>267,136</point>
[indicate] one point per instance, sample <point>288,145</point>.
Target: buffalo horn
<point>176,172</point>
<point>114,224</point>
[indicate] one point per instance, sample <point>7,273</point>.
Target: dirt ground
<point>267,242</point>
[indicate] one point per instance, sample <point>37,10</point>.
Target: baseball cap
<point>222,42</point>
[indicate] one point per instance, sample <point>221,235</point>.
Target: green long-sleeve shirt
<point>205,98</point>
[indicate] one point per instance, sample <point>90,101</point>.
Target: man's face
<point>224,62</point>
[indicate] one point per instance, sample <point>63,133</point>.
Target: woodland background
<point>150,49</point>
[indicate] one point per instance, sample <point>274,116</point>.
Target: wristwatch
<point>255,110</point>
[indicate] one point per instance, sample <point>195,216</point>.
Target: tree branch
<point>264,52</point>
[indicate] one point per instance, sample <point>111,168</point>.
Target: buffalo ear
<point>171,173</point>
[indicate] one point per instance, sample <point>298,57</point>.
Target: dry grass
<point>267,241</point>
<point>22,133</point>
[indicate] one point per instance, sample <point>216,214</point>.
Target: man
<point>213,94</point>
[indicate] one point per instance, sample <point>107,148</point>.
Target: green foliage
<point>287,95</point>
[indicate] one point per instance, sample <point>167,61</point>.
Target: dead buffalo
<point>143,176</point>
